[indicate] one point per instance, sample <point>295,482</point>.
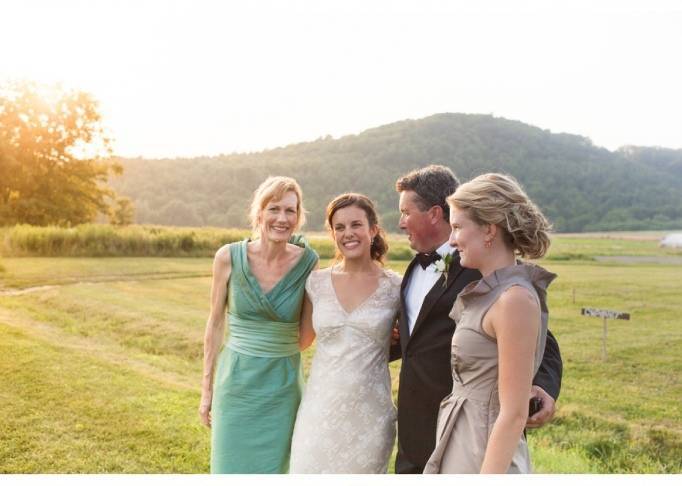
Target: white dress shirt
<point>421,282</point>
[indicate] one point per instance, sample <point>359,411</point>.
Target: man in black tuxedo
<point>425,328</point>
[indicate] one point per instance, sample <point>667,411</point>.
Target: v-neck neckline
<point>279,282</point>
<point>364,301</point>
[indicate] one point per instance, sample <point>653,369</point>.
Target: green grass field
<point>101,364</point>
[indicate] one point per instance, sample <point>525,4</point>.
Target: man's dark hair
<point>432,185</point>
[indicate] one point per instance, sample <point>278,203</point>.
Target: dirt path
<point>20,290</point>
<point>28,290</point>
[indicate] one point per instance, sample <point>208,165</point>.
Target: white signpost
<point>606,314</point>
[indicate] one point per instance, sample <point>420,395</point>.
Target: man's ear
<point>435,213</point>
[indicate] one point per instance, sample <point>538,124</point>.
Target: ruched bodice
<point>265,324</point>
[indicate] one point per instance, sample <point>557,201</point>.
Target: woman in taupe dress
<point>501,328</point>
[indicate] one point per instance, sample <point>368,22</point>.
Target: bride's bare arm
<point>514,320</point>
<point>215,329</point>
<point>306,333</point>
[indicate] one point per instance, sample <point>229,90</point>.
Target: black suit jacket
<point>425,375</point>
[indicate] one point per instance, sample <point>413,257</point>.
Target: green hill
<point>580,186</point>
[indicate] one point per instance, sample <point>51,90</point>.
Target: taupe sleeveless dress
<point>467,415</point>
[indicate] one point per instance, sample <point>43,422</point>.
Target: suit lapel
<point>437,291</point>
<point>402,319</point>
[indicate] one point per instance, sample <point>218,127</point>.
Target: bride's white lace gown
<point>346,420</point>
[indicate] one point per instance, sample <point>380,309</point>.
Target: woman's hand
<point>205,409</point>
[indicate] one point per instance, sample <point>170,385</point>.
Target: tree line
<point>57,168</point>
<point>580,186</point>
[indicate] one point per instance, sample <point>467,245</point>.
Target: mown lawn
<point>577,247</point>
<point>622,415</point>
<point>69,410</point>
<point>101,371</point>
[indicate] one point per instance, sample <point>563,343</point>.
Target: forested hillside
<point>581,187</point>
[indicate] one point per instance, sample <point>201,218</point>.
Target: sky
<point>191,78</point>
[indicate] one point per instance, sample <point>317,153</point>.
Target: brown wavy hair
<point>379,246</point>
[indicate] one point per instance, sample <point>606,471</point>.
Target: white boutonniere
<point>443,266</point>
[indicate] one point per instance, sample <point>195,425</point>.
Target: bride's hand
<point>205,409</point>
<point>395,336</point>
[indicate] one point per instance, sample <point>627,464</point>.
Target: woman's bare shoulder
<point>295,250</point>
<point>223,256</point>
<point>515,305</point>
<point>394,277</point>
<point>517,297</point>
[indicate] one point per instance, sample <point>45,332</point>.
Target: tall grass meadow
<point>97,240</point>
<point>101,240</point>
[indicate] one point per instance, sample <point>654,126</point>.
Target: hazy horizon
<point>265,149</point>
<point>182,78</point>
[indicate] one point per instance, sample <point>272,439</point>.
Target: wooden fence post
<point>605,314</point>
<point>603,341</point>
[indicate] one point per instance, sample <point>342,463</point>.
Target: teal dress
<point>258,380</point>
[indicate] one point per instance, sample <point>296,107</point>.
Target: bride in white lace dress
<point>346,420</point>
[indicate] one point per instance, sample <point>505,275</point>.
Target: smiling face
<point>352,232</point>
<point>469,238</point>
<point>279,217</point>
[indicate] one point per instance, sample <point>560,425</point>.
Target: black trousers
<point>404,466</point>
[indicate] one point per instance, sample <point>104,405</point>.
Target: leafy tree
<point>122,213</point>
<point>55,158</point>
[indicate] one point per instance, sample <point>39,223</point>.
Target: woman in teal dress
<point>252,387</point>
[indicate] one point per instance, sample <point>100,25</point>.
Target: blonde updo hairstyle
<point>499,199</point>
<point>274,188</point>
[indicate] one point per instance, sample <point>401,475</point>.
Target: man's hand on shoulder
<point>395,336</point>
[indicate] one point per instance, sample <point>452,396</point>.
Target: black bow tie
<point>426,259</point>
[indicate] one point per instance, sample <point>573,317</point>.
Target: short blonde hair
<point>499,199</point>
<point>274,188</point>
